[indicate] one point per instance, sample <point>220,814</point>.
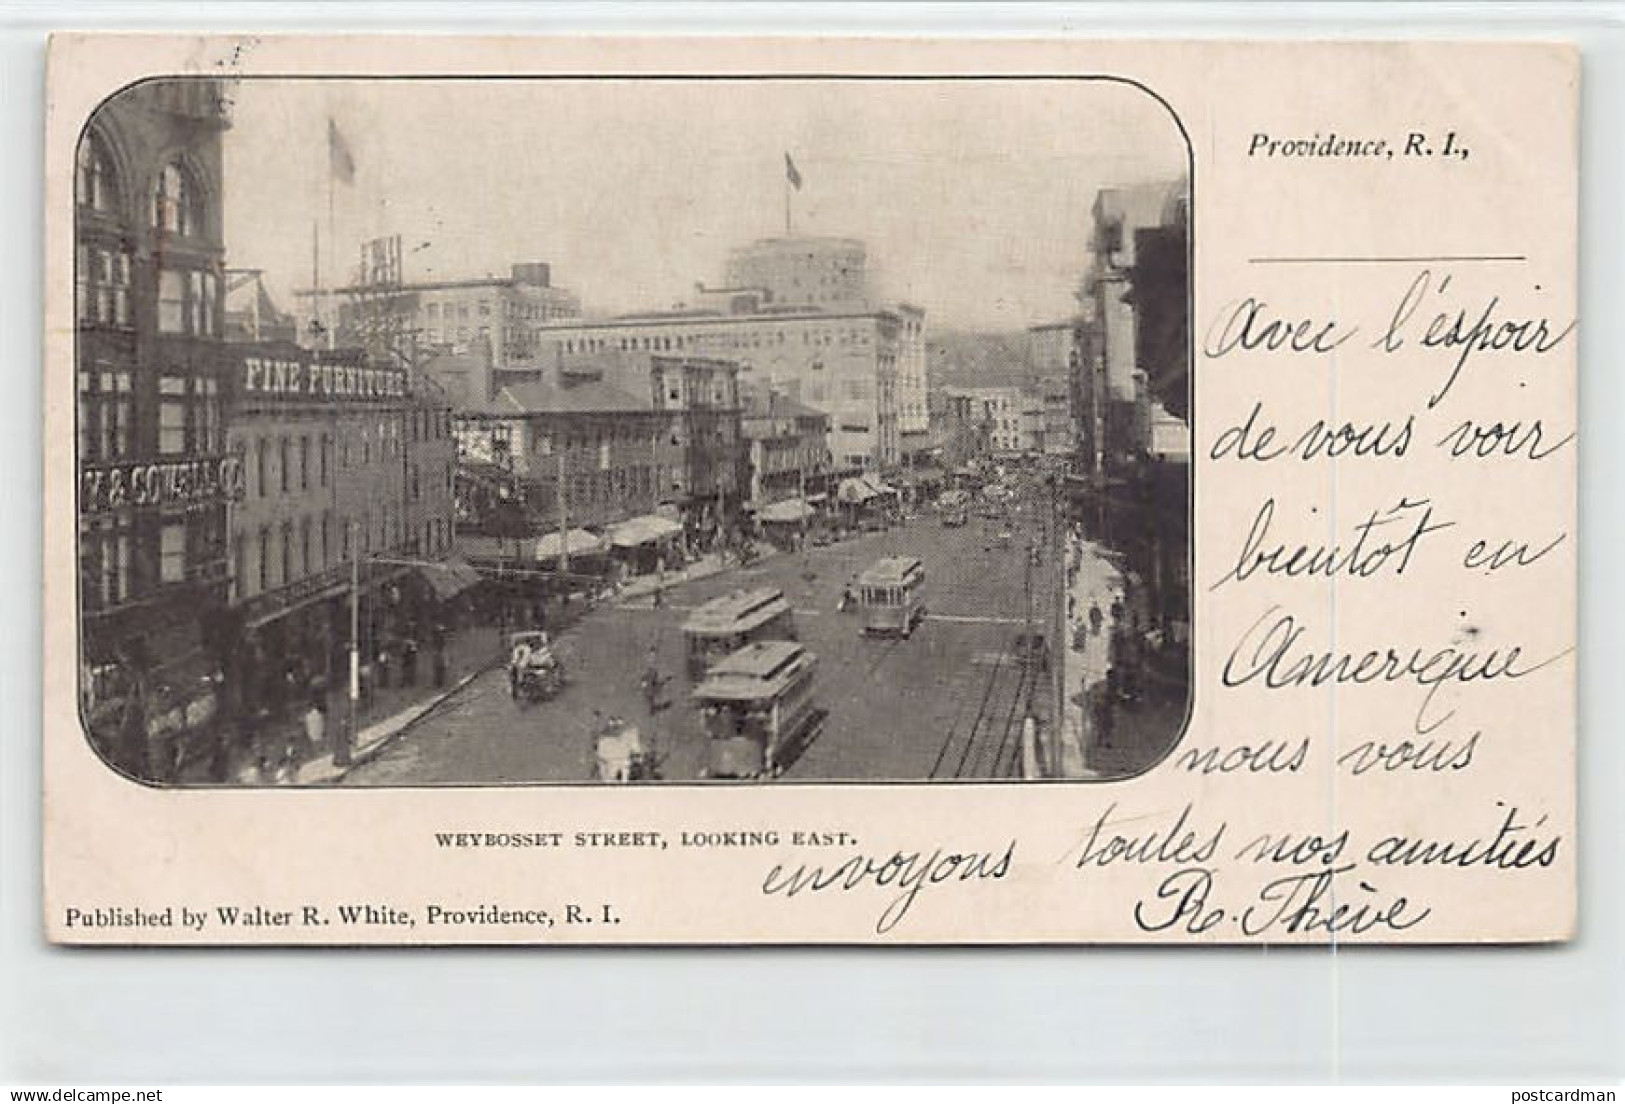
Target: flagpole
<point>332,250</point>
<point>315,272</point>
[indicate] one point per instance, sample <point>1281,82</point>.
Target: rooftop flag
<point>791,173</point>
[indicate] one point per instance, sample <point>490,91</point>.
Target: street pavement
<point>944,704</point>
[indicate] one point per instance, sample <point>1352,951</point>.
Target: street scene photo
<point>633,431</point>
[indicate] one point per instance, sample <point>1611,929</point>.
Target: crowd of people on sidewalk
<point>1130,658</point>
<point>278,732</point>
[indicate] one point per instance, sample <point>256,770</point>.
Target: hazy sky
<point>973,197</point>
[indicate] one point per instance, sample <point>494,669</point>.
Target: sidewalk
<point>708,565</point>
<point>1140,729</point>
<point>469,653</point>
<point>1086,666</point>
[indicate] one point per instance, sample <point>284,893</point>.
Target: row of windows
<point>310,545</point>
<point>709,340</point>
<point>305,461</point>
<point>189,420</point>
<point>482,309</point>
<point>107,551</point>
<point>188,299</point>
<point>104,286</point>
<point>106,409</point>
<point>188,302</point>
<point>615,486</point>
<point>175,202</point>
<point>511,309</point>
<point>189,415</point>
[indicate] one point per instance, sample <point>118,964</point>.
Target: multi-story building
<point>156,473</point>
<point>913,409</point>
<point>960,429</point>
<point>788,447</point>
<point>497,316</point>
<point>1060,433</point>
<point>1032,422</point>
<point>349,465</point>
<point>845,365</point>
<point>1054,352</point>
<point>584,454</point>
<point>1005,411</point>
<point>1127,220</point>
<point>700,450</point>
<point>699,397</point>
<point>1134,379</point>
<point>829,274</point>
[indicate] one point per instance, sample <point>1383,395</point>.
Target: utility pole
<point>342,753</point>
<point>1058,642</point>
<point>564,527</point>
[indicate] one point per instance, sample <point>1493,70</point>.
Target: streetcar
<point>723,625</point>
<point>892,594</point>
<point>757,709</point>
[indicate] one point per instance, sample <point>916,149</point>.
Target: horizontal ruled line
<point>1442,258</point>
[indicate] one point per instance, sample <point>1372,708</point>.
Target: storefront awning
<point>449,577</point>
<point>648,529</point>
<point>788,512</point>
<point>878,486</point>
<point>855,490</point>
<point>576,542</point>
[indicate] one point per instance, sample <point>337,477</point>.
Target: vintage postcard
<point>775,491</point>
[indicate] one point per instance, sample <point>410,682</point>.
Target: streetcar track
<point>988,731</point>
<point>1013,722</point>
<point>970,736</point>
<point>988,696</point>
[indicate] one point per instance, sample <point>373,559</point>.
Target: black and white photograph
<point>493,432</point>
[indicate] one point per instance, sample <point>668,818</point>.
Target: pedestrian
<point>316,725</point>
<point>1096,618</point>
<point>518,660</point>
<point>218,741</point>
<point>409,662</point>
<point>652,679</point>
<point>439,663</point>
<point>259,772</point>
<point>1103,695</point>
<point>286,772</point>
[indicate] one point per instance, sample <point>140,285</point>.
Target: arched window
<point>97,184</point>
<point>176,205</point>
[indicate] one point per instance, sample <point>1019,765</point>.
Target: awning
<point>643,530</point>
<point>449,577</point>
<point>788,512</point>
<point>855,490</point>
<point>878,487</point>
<point>577,542</point>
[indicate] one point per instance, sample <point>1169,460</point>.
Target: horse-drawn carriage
<point>535,672</point>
